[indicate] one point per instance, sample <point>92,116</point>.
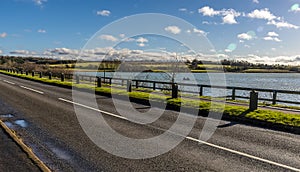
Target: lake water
<point>278,81</point>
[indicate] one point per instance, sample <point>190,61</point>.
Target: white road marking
<point>91,108</point>
<point>197,140</point>
<point>31,89</point>
<point>9,82</point>
<point>244,154</point>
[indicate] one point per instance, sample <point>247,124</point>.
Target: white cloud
<point>282,24</point>
<point>1,52</point>
<point>228,50</point>
<point>103,13</point>
<point>141,45</point>
<point>142,40</point>
<point>201,32</point>
<point>273,34</point>
<point>22,52</point>
<point>255,1</point>
<point>41,31</point>
<point>173,29</point>
<point>229,19</point>
<point>277,39</point>
<point>262,14</point>
<point>108,38</point>
<point>182,9</point>
<point>245,36</point>
<point>122,35</point>
<point>228,14</point>
<point>39,2</point>
<point>269,38</point>
<point>3,35</point>
<point>207,11</point>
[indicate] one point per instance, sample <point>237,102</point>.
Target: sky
<point>259,31</point>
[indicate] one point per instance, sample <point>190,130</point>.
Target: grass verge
<point>231,112</point>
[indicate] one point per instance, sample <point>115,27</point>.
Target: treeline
<point>39,63</point>
<point>36,60</point>
<point>239,66</point>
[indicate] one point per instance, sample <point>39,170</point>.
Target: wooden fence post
<point>41,75</point>
<point>174,91</point>
<point>136,84</point>
<point>98,81</point>
<point>32,73</point>
<point>253,100</point>
<point>201,91</point>
<point>154,85</point>
<point>233,94</point>
<point>274,97</point>
<point>62,77</point>
<point>128,85</point>
<point>50,75</point>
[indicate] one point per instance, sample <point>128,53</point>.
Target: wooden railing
<point>161,85</point>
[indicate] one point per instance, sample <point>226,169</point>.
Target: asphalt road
<point>44,117</point>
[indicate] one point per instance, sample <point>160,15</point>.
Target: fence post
<point>62,77</point>
<point>22,72</point>
<point>233,94</point>
<point>174,91</point>
<point>136,84</point>
<point>41,75</point>
<point>77,79</point>
<point>26,72</point>
<point>253,100</point>
<point>32,73</point>
<point>128,85</point>
<point>154,87</point>
<point>274,97</point>
<point>201,91</point>
<point>50,75</point>
<point>110,81</point>
<point>98,81</point>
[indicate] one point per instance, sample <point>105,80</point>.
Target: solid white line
<point>31,89</point>
<point>9,82</point>
<point>98,110</point>
<point>244,154</point>
<point>197,140</point>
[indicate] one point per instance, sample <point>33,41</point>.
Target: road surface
<point>44,117</point>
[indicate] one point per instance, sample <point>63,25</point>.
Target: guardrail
<point>161,85</point>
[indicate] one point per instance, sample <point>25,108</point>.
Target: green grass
<point>266,71</point>
<point>203,106</point>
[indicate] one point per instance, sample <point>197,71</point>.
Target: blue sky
<point>254,30</point>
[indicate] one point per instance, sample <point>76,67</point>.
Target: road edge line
<point>39,163</point>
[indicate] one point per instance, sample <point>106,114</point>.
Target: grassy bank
<point>230,112</point>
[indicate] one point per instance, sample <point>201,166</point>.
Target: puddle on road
<point>22,123</point>
<point>7,116</point>
<point>9,124</point>
<point>62,154</point>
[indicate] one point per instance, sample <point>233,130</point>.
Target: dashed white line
<point>12,83</point>
<point>31,89</point>
<point>196,140</point>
